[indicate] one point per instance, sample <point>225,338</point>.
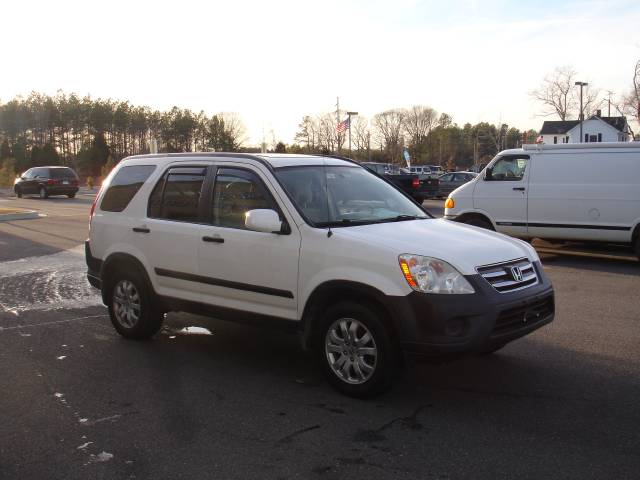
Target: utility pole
<point>349,115</point>
<point>338,122</point>
<point>581,118</point>
<point>609,110</point>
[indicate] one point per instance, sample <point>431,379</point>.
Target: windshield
<point>345,195</point>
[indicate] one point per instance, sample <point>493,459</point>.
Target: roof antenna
<point>326,194</point>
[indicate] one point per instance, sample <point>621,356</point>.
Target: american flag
<point>343,126</point>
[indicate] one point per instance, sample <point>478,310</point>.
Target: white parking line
<point>19,327</point>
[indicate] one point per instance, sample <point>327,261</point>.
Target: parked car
<point>47,181</point>
<point>450,181</point>
<point>407,182</point>
<point>563,192</point>
<point>436,170</point>
<point>312,244</point>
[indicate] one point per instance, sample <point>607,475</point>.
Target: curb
<point>26,215</point>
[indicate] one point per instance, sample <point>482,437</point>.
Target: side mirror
<point>488,174</point>
<point>263,220</point>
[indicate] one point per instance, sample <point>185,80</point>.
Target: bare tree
<point>307,135</point>
<point>630,105</point>
<point>234,129</point>
<point>388,128</point>
<point>360,135</point>
<point>556,93</point>
<point>418,123</point>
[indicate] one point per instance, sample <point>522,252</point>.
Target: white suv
<point>317,244</point>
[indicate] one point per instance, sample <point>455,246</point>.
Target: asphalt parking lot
<point>226,401</point>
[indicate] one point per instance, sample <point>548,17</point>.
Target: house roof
<point>560,127</point>
<point>551,127</point>
<point>619,123</point>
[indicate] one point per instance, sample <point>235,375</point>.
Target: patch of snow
<point>61,357</point>
<point>83,446</point>
<point>102,457</point>
<point>83,420</point>
<point>58,395</point>
<point>196,330</point>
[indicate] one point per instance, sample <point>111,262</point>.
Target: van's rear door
<point>502,194</point>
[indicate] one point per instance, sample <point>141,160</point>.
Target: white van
<point>569,192</point>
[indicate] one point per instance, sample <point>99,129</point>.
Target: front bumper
<point>441,324</point>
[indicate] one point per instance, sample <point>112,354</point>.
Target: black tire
<point>478,222</point>
<point>42,192</point>
<point>148,320</point>
<point>71,195</point>
<point>637,246</point>
<point>490,350</point>
<point>18,192</point>
<point>385,361</point>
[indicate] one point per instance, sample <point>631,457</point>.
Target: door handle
<point>213,239</point>
<point>521,189</point>
<point>141,230</point>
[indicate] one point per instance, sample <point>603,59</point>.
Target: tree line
<point>86,133</point>
<point>430,137</point>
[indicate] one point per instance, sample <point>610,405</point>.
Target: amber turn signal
<point>449,203</point>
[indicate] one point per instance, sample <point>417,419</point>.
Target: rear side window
<point>177,195</point>
<point>62,173</point>
<point>124,186</point>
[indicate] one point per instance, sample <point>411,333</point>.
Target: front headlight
<point>430,275</point>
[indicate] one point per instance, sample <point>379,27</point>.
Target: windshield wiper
<point>402,218</point>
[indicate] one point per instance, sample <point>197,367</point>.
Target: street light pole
<point>581,118</point>
<point>349,115</point>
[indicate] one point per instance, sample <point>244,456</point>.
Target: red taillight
<point>51,182</point>
<point>415,183</point>
<point>93,205</point>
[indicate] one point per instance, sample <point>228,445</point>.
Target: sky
<point>275,61</point>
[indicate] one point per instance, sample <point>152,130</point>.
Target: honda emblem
<point>516,274</point>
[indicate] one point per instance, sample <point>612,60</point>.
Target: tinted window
<point>446,178</point>
<point>62,173</point>
<point>235,193</point>
<point>177,195</point>
<point>124,186</point>
<point>40,172</point>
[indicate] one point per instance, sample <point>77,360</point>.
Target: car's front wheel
<point>356,350</point>
<point>18,191</point>
<point>71,195</point>
<point>130,306</point>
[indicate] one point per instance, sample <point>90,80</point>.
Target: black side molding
<point>564,225</point>
<point>223,283</point>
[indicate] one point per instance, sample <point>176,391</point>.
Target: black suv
<point>45,181</point>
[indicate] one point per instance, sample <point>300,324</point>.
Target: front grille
<point>510,276</point>
<point>522,316</point>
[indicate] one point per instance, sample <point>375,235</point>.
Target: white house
<point>595,129</point>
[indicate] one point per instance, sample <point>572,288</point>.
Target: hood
<point>463,246</point>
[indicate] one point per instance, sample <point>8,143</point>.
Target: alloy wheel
<point>126,304</point>
<point>351,351</point>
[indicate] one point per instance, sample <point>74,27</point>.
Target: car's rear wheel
<point>71,195</point>
<point>130,306</point>
<point>42,192</point>
<point>356,350</point>
<point>637,246</point>
<point>18,191</point>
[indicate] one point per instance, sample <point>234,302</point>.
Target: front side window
<point>343,196</point>
<point>235,192</point>
<point>124,186</point>
<point>177,195</point>
<point>446,178</point>
<point>510,169</point>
